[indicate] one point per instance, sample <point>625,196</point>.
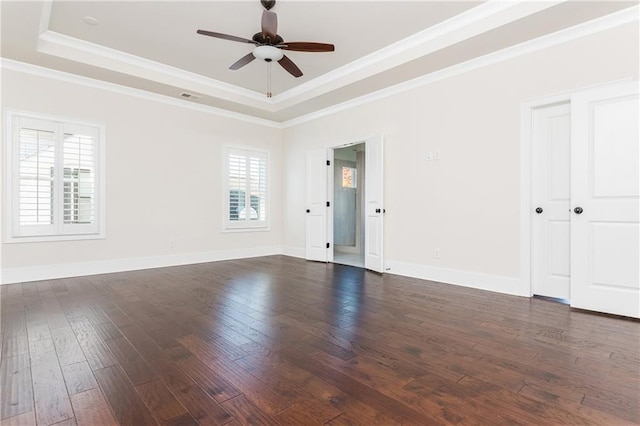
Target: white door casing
<point>316,206</point>
<point>605,237</point>
<point>373,206</point>
<point>551,201</point>
<point>319,217</point>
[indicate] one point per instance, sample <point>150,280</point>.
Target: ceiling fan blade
<point>307,46</point>
<point>242,61</point>
<point>288,65</point>
<point>226,37</point>
<point>269,24</point>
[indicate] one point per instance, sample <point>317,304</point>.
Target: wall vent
<point>191,96</point>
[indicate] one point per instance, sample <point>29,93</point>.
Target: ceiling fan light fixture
<point>268,53</point>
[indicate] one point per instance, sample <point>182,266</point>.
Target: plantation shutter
<point>54,179</point>
<point>237,182</point>
<point>79,148</point>
<point>258,187</point>
<point>246,189</point>
<point>36,177</point>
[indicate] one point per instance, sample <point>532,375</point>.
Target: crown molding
<point>622,17</point>
<point>486,16</point>
<point>625,16</point>
<point>45,16</point>
<point>468,24</point>
<point>23,67</point>
<point>64,46</point>
<point>78,50</point>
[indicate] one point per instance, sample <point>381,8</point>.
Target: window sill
<point>53,238</point>
<point>240,230</point>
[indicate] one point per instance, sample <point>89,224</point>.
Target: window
<point>349,177</point>
<point>245,189</point>
<point>53,179</point>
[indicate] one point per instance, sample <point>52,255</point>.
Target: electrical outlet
<point>436,155</point>
<point>429,156</point>
<point>436,253</point>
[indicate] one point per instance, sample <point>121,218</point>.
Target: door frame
<point>330,188</point>
<point>526,177</point>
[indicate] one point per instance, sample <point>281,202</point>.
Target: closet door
<point>605,194</point>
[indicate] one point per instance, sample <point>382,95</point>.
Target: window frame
<point>246,225</point>
<point>58,231</point>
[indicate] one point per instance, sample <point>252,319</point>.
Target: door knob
<point>578,210</point>
<point>308,211</point>
<point>377,210</point>
<point>539,210</point>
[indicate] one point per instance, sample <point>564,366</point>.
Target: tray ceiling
<point>153,45</point>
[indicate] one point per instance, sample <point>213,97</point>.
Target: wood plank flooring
<point>280,341</point>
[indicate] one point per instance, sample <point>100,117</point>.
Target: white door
<point>605,228</point>
<point>373,205</point>
<point>316,210</point>
<point>551,226</point>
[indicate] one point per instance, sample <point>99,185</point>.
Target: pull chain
<point>269,94</point>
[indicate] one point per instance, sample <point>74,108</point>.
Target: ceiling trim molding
<point>23,67</point>
<point>484,17</point>
<point>622,17</point>
<point>470,23</point>
<point>64,46</point>
<point>45,16</point>
<point>625,16</point>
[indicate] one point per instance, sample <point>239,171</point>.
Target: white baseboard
<point>294,252</point>
<point>48,272</point>
<point>477,280</point>
<point>496,283</point>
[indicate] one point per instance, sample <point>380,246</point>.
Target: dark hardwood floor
<point>277,340</point>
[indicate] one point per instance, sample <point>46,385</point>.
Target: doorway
<point>320,172</point>
<point>348,200</point>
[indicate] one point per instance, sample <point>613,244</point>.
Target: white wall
<point>164,182</point>
<point>467,203</point>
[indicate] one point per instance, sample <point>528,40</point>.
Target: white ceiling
<point>153,45</point>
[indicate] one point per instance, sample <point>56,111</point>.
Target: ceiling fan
<point>269,45</point>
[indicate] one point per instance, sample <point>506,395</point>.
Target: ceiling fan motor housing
<point>260,38</point>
